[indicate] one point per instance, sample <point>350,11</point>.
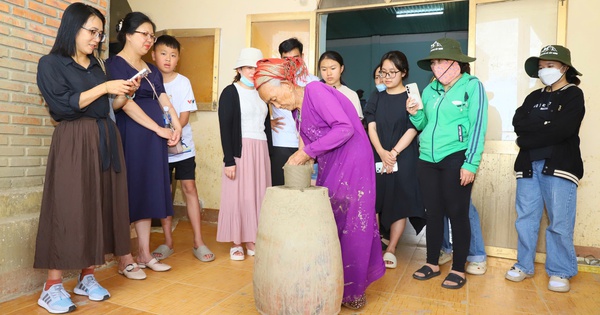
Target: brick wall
<point>27,32</point>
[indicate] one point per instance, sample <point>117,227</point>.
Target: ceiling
<point>383,21</point>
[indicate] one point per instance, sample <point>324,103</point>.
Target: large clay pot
<point>298,263</point>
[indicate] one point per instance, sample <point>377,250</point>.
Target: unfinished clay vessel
<point>298,262</point>
<point>297,176</point>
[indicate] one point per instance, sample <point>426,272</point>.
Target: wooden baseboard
<point>581,251</point>
<point>587,251</point>
<point>510,253</point>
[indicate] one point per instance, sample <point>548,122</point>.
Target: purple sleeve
<point>326,107</point>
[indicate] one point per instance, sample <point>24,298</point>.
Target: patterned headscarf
<point>290,69</point>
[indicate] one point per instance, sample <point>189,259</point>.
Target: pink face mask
<point>446,71</point>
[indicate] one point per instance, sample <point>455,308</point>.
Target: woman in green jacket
<point>453,122</point>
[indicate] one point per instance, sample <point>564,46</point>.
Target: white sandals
<point>155,265</point>
<point>234,250</point>
<point>134,275</point>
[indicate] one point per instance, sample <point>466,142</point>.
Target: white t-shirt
<point>254,111</point>
<point>353,97</point>
<point>288,136</point>
<point>182,97</point>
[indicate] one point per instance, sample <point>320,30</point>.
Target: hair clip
<point>120,25</point>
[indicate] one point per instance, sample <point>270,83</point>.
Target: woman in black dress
<point>145,138</point>
<point>396,150</point>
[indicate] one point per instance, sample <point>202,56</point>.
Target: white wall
<point>583,19</point>
<point>230,17</point>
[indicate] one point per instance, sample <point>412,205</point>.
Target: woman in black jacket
<point>549,166</point>
<point>243,120</point>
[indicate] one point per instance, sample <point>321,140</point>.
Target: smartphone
<point>143,73</point>
<point>413,92</point>
<point>379,167</point>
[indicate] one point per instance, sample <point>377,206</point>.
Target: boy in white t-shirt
<point>166,55</point>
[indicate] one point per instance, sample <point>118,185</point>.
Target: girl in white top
<point>331,65</point>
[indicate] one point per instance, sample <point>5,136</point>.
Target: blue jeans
<point>560,197</point>
<point>476,247</point>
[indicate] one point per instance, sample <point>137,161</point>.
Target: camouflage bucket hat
<point>444,48</point>
<point>550,52</point>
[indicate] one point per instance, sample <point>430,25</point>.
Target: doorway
<point>501,34</point>
<point>363,36</point>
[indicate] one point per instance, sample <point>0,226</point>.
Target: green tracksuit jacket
<point>453,121</point>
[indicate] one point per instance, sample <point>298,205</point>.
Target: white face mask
<point>549,76</point>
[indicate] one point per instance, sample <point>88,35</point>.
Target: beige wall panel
<point>197,65</point>
<point>504,78</point>
<point>582,22</point>
<point>267,36</point>
<point>526,26</point>
<point>230,16</point>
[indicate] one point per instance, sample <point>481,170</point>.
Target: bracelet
<point>130,97</point>
<point>397,153</point>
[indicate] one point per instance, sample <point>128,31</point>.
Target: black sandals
<point>428,273</point>
<point>458,280</point>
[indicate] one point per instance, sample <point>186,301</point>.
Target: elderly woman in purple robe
<point>332,134</point>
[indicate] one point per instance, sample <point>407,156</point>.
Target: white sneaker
<point>90,287</point>
<point>56,300</point>
<point>559,284</point>
<point>444,257</point>
<point>477,268</point>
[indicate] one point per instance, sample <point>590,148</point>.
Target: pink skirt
<point>242,197</point>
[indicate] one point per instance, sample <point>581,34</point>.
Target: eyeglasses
<point>391,74</point>
<point>149,36</point>
<point>96,34</point>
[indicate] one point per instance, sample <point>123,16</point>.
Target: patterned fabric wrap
<point>290,69</point>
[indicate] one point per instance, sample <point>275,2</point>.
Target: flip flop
<point>428,273</point>
<point>202,251</point>
<point>389,257</point>
<point>460,281</point>
<point>162,252</point>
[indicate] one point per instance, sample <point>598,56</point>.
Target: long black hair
<point>571,76</point>
<point>335,56</point>
<point>74,17</point>
<point>399,60</point>
<point>129,24</point>
<point>464,67</point>
<point>376,71</point>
